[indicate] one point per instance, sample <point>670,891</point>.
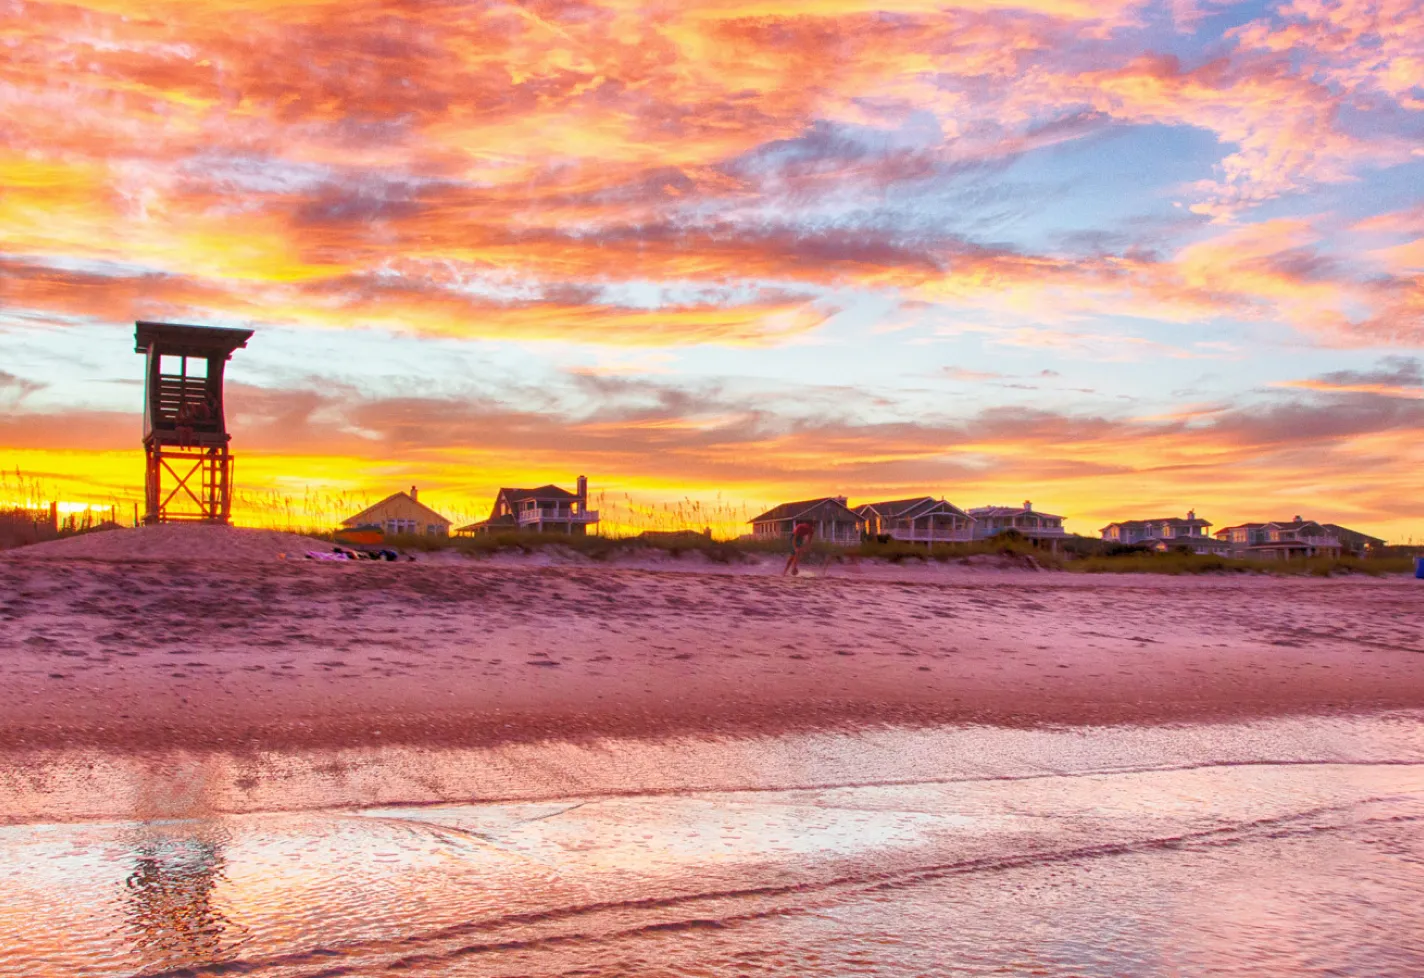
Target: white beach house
<point>918,520</point>
<point>1297,537</point>
<point>990,521</point>
<point>547,509</point>
<point>1165,533</point>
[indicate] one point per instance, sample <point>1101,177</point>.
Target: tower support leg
<point>187,485</point>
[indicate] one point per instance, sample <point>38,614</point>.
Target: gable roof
<point>543,492</point>
<point>1011,511</point>
<point>429,513</point>
<point>890,509</point>
<point>804,507</point>
<point>911,508</point>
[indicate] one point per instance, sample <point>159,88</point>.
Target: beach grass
<point>611,548</point>
<point>673,528</point>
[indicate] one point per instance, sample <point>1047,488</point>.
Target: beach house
<point>990,521</point>
<point>402,512</point>
<point>1280,539</point>
<point>1165,533</point>
<point>1297,537</point>
<point>833,520</point>
<point>918,520</point>
<point>547,509</point>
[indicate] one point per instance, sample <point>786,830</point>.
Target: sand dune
<point>173,541</point>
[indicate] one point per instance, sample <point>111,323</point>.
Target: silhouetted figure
<point>800,541</point>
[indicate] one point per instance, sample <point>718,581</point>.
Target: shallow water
<point>1284,848</point>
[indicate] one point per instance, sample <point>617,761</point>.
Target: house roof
<point>543,492</point>
<point>1010,511</point>
<point>1354,533</point>
<point>429,513</point>
<point>893,507</point>
<point>1241,526</point>
<point>1173,520</point>
<point>804,507</point>
<point>910,508</point>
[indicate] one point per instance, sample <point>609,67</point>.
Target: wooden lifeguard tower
<point>185,438</point>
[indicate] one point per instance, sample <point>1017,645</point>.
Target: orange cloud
<point>1363,46</point>
<point>267,169</point>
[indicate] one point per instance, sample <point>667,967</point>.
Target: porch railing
<point>931,535</point>
<point>529,516</point>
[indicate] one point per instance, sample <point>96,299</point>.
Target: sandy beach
<point>268,652</point>
<point>536,765</point>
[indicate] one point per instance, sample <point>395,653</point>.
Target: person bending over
<point>800,541</point>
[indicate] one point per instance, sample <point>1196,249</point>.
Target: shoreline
<point>285,655</point>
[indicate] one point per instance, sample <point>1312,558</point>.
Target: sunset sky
<point>1120,258</point>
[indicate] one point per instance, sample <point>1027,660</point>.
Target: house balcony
<point>1295,542</point>
<point>530,517</point>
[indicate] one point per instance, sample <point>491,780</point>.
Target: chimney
<point>582,492</point>
<point>1298,519</point>
<point>414,494</point>
<point>1028,506</point>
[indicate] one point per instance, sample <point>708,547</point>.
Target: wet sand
<point>149,655</point>
<point>1273,849</point>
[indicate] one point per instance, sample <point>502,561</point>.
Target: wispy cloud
<point>1396,376</point>
<point>15,389</point>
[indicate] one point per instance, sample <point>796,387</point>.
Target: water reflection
<point>169,902</point>
<point>1270,851</point>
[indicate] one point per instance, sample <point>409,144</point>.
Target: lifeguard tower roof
<point>179,340</point>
